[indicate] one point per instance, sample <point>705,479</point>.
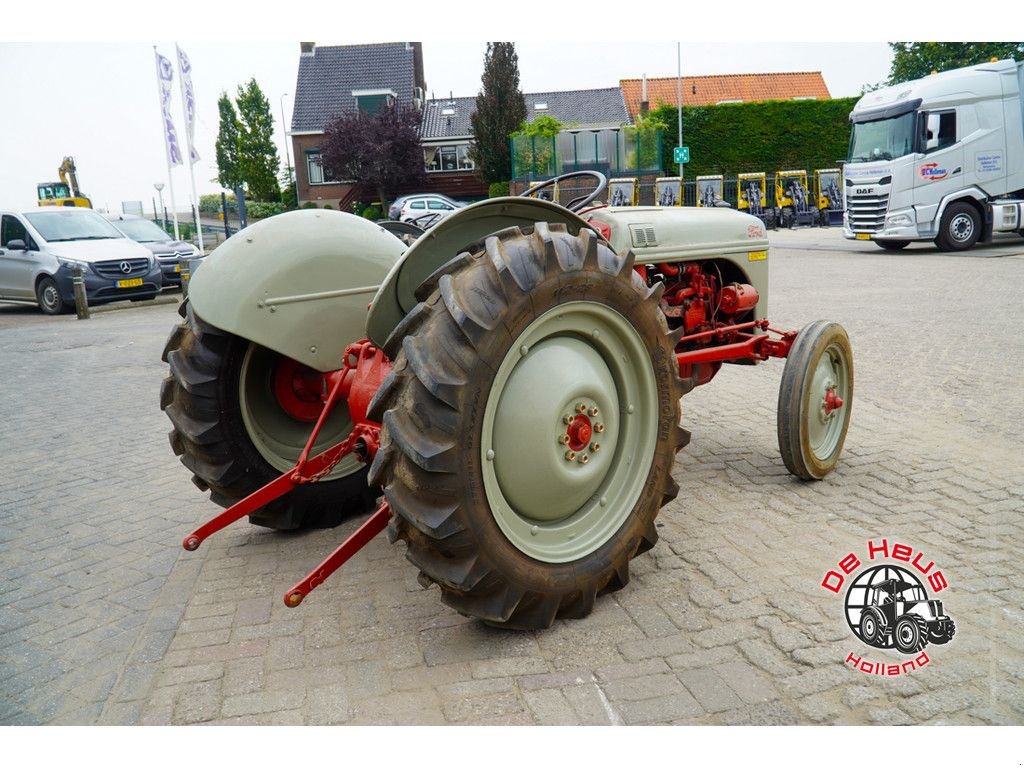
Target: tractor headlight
<point>899,220</point>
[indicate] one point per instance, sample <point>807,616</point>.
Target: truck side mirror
<point>16,245</point>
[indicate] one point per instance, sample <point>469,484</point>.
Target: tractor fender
<point>298,283</point>
<point>446,240</point>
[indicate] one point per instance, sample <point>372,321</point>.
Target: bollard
<point>186,274</point>
<point>81,300</point>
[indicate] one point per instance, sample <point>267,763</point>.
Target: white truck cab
<point>940,158</point>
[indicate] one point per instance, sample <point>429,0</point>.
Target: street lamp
<point>159,187</point>
<point>287,154</point>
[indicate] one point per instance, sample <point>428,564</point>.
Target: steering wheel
<point>578,203</point>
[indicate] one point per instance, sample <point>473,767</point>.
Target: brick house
<point>447,133</point>
<point>337,79</point>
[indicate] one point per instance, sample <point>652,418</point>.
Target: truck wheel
<point>231,431</point>
<point>960,228</point>
<point>893,245</point>
<point>530,426</point>
<point>910,633</point>
<point>871,628</point>
<point>815,397</point>
<point>942,637</point>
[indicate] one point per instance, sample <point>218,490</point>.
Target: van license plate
<point>177,267</point>
<point>863,237</point>
<point>135,282</point>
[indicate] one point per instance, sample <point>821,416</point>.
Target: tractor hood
<point>658,234</point>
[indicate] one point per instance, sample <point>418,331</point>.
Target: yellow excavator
<point>65,191</point>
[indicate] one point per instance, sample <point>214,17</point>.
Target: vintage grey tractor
<point>509,383</point>
<point>900,613</point>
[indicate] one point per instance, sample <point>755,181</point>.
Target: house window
<point>452,157</point>
<point>371,101</point>
<point>315,172</point>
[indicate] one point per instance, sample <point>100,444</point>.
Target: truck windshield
<point>882,139</point>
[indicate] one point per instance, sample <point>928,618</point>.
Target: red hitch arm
<point>376,523</point>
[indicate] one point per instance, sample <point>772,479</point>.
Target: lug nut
<point>567,419</point>
<point>580,408</point>
<point>595,447</point>
<point>593,411</point>
<point>564,439</point>
<point>570,455</point>
<point>599,427</point>
<point>583,459</point>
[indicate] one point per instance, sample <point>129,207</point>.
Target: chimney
<point>307,49</point>
<point>644,104</point>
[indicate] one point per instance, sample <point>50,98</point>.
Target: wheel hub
<point>961,227</point>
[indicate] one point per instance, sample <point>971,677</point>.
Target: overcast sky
<point>98,101</point>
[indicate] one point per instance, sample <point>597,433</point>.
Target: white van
<point>40,250</point>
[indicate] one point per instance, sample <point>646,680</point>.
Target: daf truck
<point>940,158</point>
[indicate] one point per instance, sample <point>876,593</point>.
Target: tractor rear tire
<point>218,398</point>
<point>910,633</point>
<point>811,436</point>
<point>511,342</point>
<point>872,627</point>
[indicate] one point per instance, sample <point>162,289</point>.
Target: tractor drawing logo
<point>887,606</point>
<point>932,172</point>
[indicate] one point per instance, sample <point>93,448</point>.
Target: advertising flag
<point>165,73</point>
<point>188,98</point>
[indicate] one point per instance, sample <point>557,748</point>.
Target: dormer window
<point>371,100</point>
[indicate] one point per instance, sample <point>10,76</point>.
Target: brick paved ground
<point>104,619</point>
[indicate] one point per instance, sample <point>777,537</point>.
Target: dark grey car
<point>172,254</point>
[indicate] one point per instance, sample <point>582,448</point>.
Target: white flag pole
<point>188,138</point>
<point>167,149</point>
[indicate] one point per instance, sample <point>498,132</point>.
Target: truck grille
<point>867,212</point>
<point>114,269</point>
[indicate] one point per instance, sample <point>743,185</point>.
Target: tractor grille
<point>115,269</point>
<point>867,212</point>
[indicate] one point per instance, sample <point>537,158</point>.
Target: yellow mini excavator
<point>65,191</point>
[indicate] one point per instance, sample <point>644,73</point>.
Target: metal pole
<point>287,152</point>
<point>224,207</point>
<point>679,83</point>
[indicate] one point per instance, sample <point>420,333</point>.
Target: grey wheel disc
<point>554,503</point>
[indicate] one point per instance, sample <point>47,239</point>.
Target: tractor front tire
<point>819,369</point>
<point>910,633</point>
<point>234,437</point>
<point>941,638</point>
<point>530,426</point>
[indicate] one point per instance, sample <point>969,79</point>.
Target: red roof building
<point>702,90</point>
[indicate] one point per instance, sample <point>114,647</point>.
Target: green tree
<point>533,146</point>
<point>913,60</point>
<point>228,173</point>
<point>257,154</point>
<point>500,111</point>
<point>645,133</point>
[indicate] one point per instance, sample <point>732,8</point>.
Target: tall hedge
<point>767,136</point>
